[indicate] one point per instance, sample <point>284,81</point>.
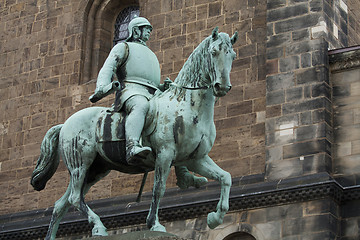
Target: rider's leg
<point>136,109</point>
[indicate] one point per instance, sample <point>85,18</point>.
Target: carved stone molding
<point>345,58</point>
<point>116,212</point>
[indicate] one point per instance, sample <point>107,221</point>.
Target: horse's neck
<point>201,100</point>
<point>194,72</point>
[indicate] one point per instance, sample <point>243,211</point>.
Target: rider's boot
<point>135,153</point>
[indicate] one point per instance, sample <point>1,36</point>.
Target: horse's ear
<point>215,33</point>
<point>234,38</point>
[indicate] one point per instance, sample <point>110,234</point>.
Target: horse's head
<point>222,56</point>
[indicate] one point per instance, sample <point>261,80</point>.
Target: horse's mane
<point>192,73</point>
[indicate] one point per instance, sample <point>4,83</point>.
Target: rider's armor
<point>138,70</point>
<point>138,79</point>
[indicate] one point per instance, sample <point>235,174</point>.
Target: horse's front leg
<point>185,179</point>
<point>208,168</point>
<point>162,170</point>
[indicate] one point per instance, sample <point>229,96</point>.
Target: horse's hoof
<point>158,228</point>
<point>99,231</point>
<point>213,220</point>
<point>199,181</point>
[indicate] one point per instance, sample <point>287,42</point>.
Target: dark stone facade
<point>288,131</point>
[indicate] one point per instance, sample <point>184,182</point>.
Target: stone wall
<point>314,220</point>
<point>298,124</point>
<point>353,22</point>
<point>45,49</point>
<point>310,207</point>
<point>40,58</point>
<point>345,79</point>
<point>350,222</point>
<point>179,26</point>
<point>276,123</point>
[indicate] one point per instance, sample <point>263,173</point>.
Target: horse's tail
<point>48,160</point>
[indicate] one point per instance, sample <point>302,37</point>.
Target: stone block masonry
<point>40,52</point>
<point>178,28</point>
<point>299,134</point>
<point>50,54</point>
<point>353,23</point>
<point>277,121</point>
<point>313,220</point>
<point>345,79</point>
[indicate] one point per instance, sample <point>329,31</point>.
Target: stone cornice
<point>345,58</point>
<point>118,212</point>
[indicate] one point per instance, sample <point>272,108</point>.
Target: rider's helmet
<point>137,22</point>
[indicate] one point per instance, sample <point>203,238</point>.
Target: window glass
<point>122,22</point>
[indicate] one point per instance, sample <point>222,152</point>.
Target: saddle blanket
<point>110,127</point>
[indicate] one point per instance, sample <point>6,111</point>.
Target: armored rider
<point>138,70</point>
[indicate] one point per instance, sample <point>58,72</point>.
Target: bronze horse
<point>180,130</point>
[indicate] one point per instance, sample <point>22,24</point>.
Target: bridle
<point>191,88</point>
<point>194,88</point>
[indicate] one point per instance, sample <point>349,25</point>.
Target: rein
<point>190,88</point>
<point>194,88</point>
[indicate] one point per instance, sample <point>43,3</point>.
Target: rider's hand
<point>167,83</point>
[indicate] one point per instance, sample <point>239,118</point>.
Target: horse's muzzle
<point>221,90</point>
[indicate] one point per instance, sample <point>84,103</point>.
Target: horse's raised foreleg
<point>61,207</point>
<point>162,170</point>
<point>185,179</point>
<point>208,168</point>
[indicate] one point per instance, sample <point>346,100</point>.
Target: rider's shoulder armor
<point>142,66</point>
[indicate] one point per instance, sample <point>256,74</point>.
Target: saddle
<point>110,133</point>
<point>110,127</point>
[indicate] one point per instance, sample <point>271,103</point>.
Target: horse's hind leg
<point>76,198</point>
<point>61,207</point>
<point>99,228</point>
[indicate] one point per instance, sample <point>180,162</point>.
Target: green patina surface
<point>181,119</point>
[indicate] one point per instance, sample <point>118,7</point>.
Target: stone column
<point>298,98</point>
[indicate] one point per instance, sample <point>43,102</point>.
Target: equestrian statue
<point>150,127</point>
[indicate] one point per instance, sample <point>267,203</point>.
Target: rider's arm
<point>115,59</point>
<point>106,83</point>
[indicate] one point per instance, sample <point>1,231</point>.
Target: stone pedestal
<point>141,235</point>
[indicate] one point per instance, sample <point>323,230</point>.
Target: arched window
<point>104,28</point>
<point>239,236</point>
<point>122,22</point>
